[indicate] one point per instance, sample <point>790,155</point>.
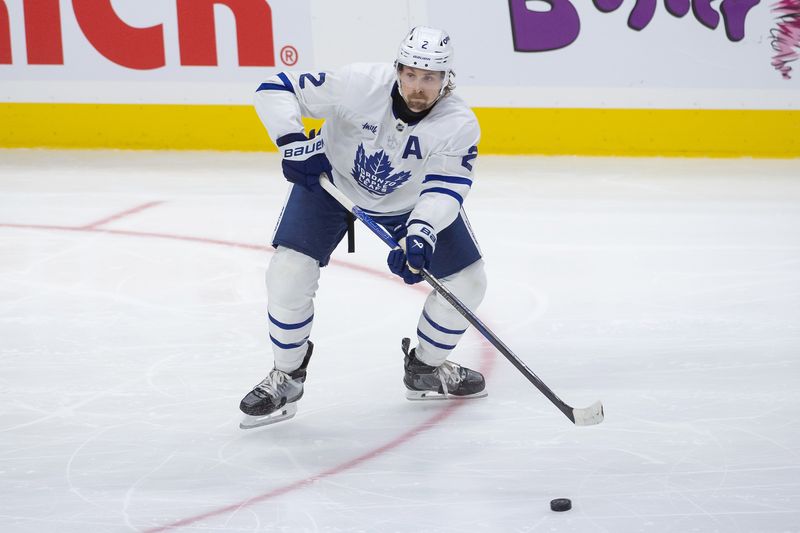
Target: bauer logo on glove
<point>301,150</point>
<point>431,235</point>
<point>304,159</point>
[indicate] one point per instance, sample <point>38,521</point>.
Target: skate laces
<point>272,384</point>
<point>449,374</point>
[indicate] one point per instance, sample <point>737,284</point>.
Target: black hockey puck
<point>561,504</point>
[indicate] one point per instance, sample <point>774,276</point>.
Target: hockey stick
<point>581,417</point>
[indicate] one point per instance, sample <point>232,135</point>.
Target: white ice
<point>132,321</point>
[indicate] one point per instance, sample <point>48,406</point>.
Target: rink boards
<point>631,132</point>
<point>543,77</point>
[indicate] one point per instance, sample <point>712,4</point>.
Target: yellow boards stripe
<point>641,132</point>
<point>607,132</point>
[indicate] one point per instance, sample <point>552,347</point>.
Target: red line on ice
<point>120,215</point>
<point>487,357</point>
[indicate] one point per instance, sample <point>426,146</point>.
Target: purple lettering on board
<point>704,13</point>
<point>677,8</point>
<point>539,31</point>
<point>642,14</point>
<point>734,13</point>
<point>607,6</point>
<point>543,25</point>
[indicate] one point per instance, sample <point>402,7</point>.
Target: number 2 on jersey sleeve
<point>466,161</point>
<point>316,82</point>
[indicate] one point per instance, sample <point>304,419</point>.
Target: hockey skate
<point>275,398</point>
<point>447,381</point>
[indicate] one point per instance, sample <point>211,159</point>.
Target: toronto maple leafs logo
<point>374,172</point>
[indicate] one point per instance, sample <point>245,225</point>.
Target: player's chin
<point>418,105</point>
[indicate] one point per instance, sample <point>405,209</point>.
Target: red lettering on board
<point>136,48</point>
<point>197,32</point>
<point>43,32</point>
<point>5,35</point>
<point>142,48</point>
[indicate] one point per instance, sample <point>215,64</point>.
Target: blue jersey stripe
<point>437,344</point>
<point>285,79</point>
<point>442,328</point>
<point>286,86</point>
<point>442,190</point>
<point>273,87</point>
<point>287,346</point>
<point>458,180</point>
<point>290,326</point>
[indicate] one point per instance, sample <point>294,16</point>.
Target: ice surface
<point>132,321</point>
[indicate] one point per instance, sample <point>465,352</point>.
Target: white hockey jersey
<point>383,164</point>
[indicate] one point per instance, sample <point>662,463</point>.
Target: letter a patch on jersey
<point>412,148</point>
<point>374,172</point>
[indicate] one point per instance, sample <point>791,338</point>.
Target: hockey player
<point>402,146</point>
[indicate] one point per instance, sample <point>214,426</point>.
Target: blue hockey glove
<point>414,254</point>
<point>398,265</point>
<point>420,241</point>
<point>304,159</point>
<point>418,253</point>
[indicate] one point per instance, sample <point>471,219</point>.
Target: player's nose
<point>415,86</point>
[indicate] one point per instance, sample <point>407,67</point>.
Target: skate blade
<point>285,413</point>
<point>429,395</point>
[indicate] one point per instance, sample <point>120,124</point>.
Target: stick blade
<point>589,416</point>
